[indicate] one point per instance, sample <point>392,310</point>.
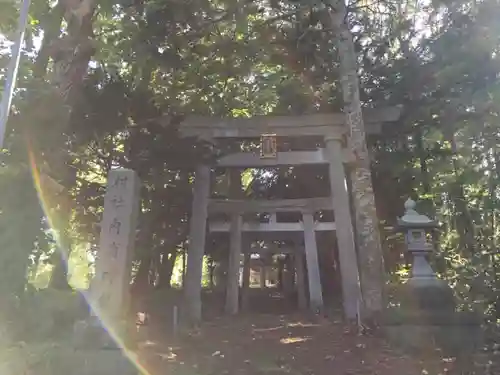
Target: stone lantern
<point>425,292</point>
<point>426,315</point>
<point>416,227</point>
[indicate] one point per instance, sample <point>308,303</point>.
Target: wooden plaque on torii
<point>268,146</point>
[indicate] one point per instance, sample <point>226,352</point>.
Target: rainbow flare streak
<point>46,202</point>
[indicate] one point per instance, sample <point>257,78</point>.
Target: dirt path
<point>269,344</point>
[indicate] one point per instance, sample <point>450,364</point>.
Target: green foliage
<point>154,65</point>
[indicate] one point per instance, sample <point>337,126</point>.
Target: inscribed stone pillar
<point>313,276</point>
<point>196,247</point>
<point>110,286</point>
<point>301,280</point>
<point>246,279</point>
<point>344,230</point>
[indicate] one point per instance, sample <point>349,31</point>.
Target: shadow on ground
<point>270,344</point>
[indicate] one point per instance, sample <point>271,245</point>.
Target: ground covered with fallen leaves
<point>272,344</point>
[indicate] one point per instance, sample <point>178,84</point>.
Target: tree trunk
<point>59,278</point>
<point>51,32</point>
<point>141,287</point>
<point>166,269</point>
<point>367,227</point>
<point>71,54</point>
<point>426,187</point>
<point>463,217</point>
<point>211,274</point>
<point>184,257</point>
<point>141,279</point>
<point>422,155</point>
<point>494,177</point>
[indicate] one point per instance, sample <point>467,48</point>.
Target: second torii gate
<point>328,128</point>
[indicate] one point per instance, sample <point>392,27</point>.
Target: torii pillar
<point>311,250</point>
<point>196,248</point>
<point>301,279</point>
<point>235,243</point>
<point>245,283</point>
<point>351,291</point>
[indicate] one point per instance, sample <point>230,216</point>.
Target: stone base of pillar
<point>95,351</point>
<point>457,333</point>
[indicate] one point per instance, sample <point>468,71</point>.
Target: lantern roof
<point>412,219</point>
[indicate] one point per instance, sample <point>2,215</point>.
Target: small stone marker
<point>110,286</point>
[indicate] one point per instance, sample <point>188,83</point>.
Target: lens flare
<point>47,202</point>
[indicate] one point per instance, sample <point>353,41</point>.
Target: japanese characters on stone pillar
<point>110,288</point>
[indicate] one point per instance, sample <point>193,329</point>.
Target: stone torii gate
<point>328,128</point>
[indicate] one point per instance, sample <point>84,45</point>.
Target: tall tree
<point>71,54</point>
<point>334,18</point>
